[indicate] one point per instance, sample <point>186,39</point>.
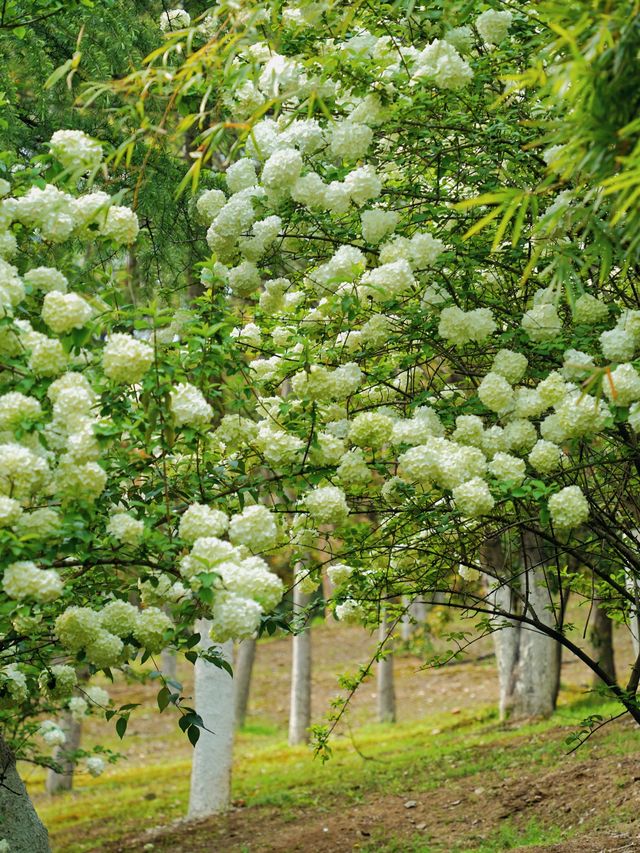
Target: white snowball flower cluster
<point>95,765</point>
<point>125,528</point>
<point>622,386</point>
<point>327,505</point>
<point>508,468</point>
<point>46,279</point>
<point>10,511</point>
<point>461,327</point>
<point>13,685</point>
<point>189,406</point>
<point>63,312</point>
<point>442,62</point>
<point>350,140</point>
<point>370,429</point>
<point>442,462</point>
<point>52,734</point>
<point>210,203</point>
<point>58,681</point>
<point>78,707</point>
<point>493,25</point>
<point>618,344</point>
<point>174,19</point>
<point>16,407</point>
<point>542,323</point>
<point>377,224</point>
<point>120,225</point>
<point>22,472</point>
<point>545,457</point>
<point>587,309</point>
<point>495,393</point>
<point>353,469</point>
<point>125,359</point>
<point>339,573</point>
<point>569,508</point>
<point>255,527</point>
<point>350,612</point>
<point>24,579</point>
<point>512,365</point>
<point>473,498</point>
<point>200,520</point>
<point>75,150</point>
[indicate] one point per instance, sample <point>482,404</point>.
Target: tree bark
<point>601,637</point>
<point>20,826</point>
<point>212,755</point>
<point>300,707</point>
<point>528,660</point>
<point>57,782</point>
<point>168,664</point>
<point>245,657</point>
<point>386,689</point>
<point>414,616</point>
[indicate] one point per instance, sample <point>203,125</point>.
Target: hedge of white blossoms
<point>83,534</point>
<point>405,383</point>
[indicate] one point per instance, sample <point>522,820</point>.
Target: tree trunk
<point>601,637</point>
<point>168,664</point>
<point>246,655</point>
<point>386,688</point>
<point>57,782</point>
<point>212,755</point>
<point>634,614</point>
<point>20,826</point>
<point>414,616</point>
<point>528,660</point>
<point>300,709</point>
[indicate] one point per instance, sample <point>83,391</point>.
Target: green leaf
<point>121,726</point>
<point>193,733</point>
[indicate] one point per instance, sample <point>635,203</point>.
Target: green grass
<point>379,759</point>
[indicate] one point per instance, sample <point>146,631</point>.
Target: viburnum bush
<point>434,286</point>
<point>112,545</point>
<point>416,336</point>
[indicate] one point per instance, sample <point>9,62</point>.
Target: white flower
<point>254,527</point>
<point>350,141</point>
<point>120,225</point>
<point>542,322</point>
<point>125,528</point>
<point>493,25</point>
<point>25,580</point>
<point>189,406</point>
<point>174,19</point>
<point>75,150</point>
<point>327,505</point>
<point>473,498</point>
<point>63,312</point>
<point>512,365</point>
<point>95,765</point>
<point>442,62</point>
<point>568,508</point>
<point>622,386</point>
<point>199,521</point>
<point>126,359</point>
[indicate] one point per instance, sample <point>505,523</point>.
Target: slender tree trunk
<point>506,638</point>
<point>57,782</point>
<point>245,657</point>
<point>300,708</point>
<point>414,616</point>
<point>20,826</point>
<point>168,664</point>
<point>634,615</point>
<point>212,755</point>
<point>528,660</point>
<point>601,637</point>
<point>386,688</point>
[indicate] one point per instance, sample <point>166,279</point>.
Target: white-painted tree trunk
<point>63,781</point>
<point>386,694</point>
<point>168,665</point>
<point>245,657</point>
<point>20,826</point>
<point>300,707</point>
<point>528,660</point>
<point>414,616</point>
<point>212,755</point>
